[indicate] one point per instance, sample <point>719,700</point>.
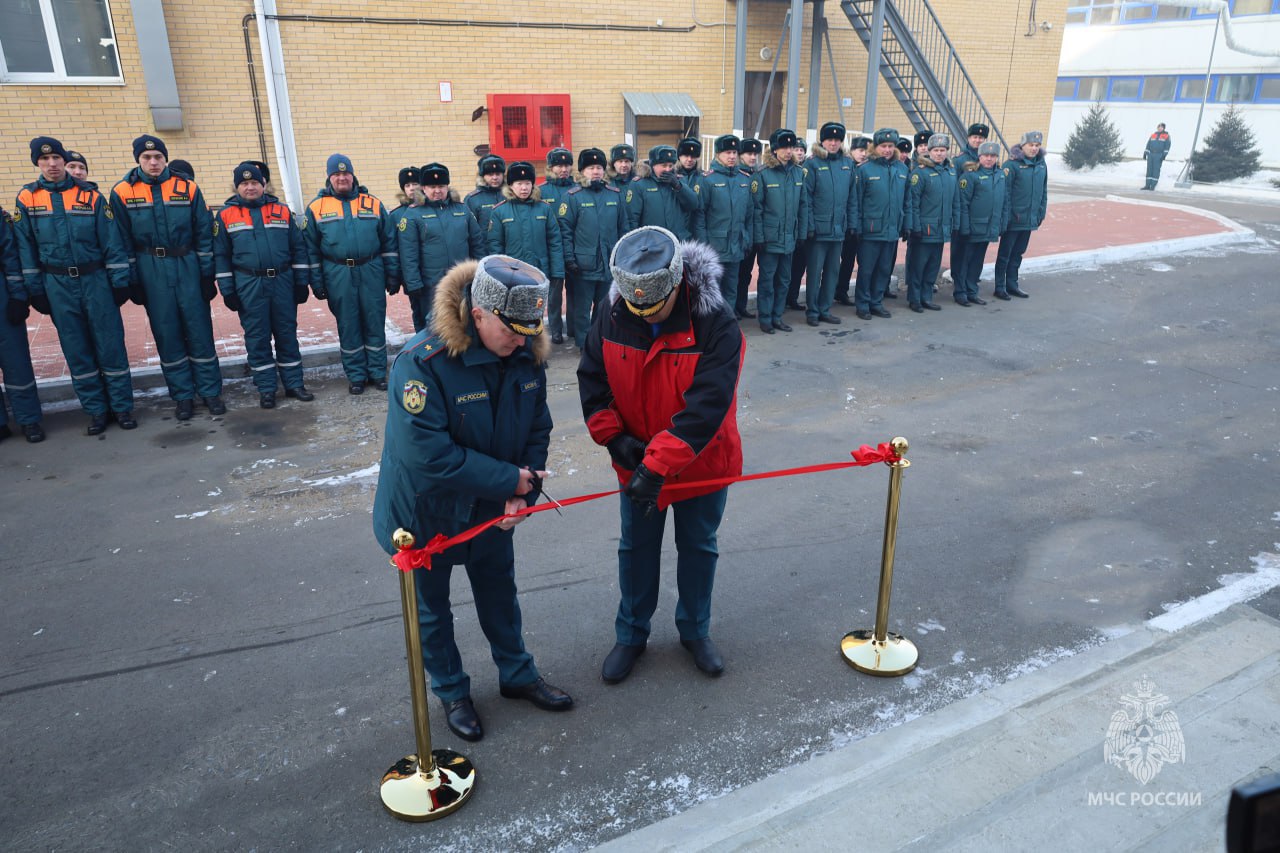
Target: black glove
<point>915,236</point>
<point>232,301</point>
<point>208,288</point>
<point>573,266</point>
<point>643,490</point>
<point>120,295</point>
<point>138,293</point>
<point>320,292</point>
<point>668,178</point>
<point>17,311</point>
<point>627,451</point>
<point>902,235</point>
<point>392,289</point>
<point>597,184</point>
<point>40,302</point>
<point>300,293</point>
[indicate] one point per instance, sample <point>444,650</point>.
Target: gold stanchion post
<point>878,652</point>
<point>429,784</point>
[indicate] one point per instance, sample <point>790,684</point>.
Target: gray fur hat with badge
<point>1032,137</point>
<point>989,148</point>
<point>939,140</point>
<point>647,264</point>
<point>513,290</point>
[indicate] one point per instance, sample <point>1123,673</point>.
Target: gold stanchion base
<point>410,794</point>
<point>895,656</point>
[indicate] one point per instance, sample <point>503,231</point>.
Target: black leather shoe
<point>97,425</point>
<point>881,312</point>
<point>891,294</point>
<point>1000,294</point>
<point>5,432</point>
<point>812,321</point>
<point>300,393</point>
<point>794,306</point>
<point>618,663</point>
<point>916,308</point>
<point>185,410</point>
<point>557,339</point>
<point>126,420</point>
<point>975,300</point>
<point>215,405</point>
<point>380,384</point>
<point>33,432</point>
<point>964,302</point>
<point>463,719</point>
<point>267,400</point>
<point>932,306</point>
<point>781,326</point>
<point>843,300</point>
<point>355,389</point>
<point>864,315</point>
<point>705,656</point>
<point>541,694</point>
<point>768,330</point>
<point>830,318</point>
<point>747,315</point>
<point>1021,294</point>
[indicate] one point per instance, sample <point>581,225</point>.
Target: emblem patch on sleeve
<point>564,208</point>
<point>404,225</point>
<point>629,194</point>
<point>414,397</point>
<point>915,179</point>
<point>963,183</point>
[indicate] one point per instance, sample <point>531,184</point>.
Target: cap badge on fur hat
<point>885,134</point>
<point>1032,137</point>
<point>647,264</point>
<point>939,140</point>
<point>831,130</point>
<point>989,148</point>
<point>514,291</point>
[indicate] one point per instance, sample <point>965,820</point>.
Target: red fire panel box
<point>526,127</point>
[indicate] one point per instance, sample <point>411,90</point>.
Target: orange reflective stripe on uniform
<point>133,195</point>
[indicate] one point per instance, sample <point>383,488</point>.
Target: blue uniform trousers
<point>975,255</point>
<point>183,329</point>
<point>19,377</point>
<point>556,307</point>
<point>640,565</point>
<point>360,307</point>
<point>490,563</point>
<point>1013,244</point>
<point>823,270</point>
<point>586,297</point>
<point>269,310</point>
<point>729,282</point>
<point>875,264</point>
<point>923,263</point>
<point>92,339</point>
<point>772,287</point>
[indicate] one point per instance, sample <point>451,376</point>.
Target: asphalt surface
<point>203,646</point>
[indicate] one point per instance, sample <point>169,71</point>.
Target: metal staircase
<point>922,69</point>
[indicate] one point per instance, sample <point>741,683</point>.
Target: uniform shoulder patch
<point>564,208</point>
<point>629,196</point>
<point>216,225</point>
<point>414,396</point>
<point>1006,171</point>
<point>755,185</point>
<point>107,210</point>
<point>697,188</point>
<point>915,179</point>
<point>963,183</point>
<point>403,225</point>
<point>611,188</point>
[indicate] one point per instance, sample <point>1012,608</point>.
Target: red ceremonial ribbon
<point>420,558</point>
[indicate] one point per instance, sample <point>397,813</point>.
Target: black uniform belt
<point>269,272</point>
<point>166,252</point>
<point>73,272</point>
<point>351,262</point>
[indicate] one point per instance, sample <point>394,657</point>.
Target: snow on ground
<point>1131,175</point>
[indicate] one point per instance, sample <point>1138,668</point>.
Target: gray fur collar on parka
<point>510,194</point>
<point>821,153</point>
<point>451,314</point>
<point>643,170</point>
<point>702,274</point>
<point>420,198</point>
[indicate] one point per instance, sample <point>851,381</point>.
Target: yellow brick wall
<point>371,91</point>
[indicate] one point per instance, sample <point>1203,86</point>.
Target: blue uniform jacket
<point>442,234</point>
<point>882,197</point>
<point>592,220</point>
<point>668,205</point>
<point>779,206</point>
<point>984,211</point>
<point>1028,188</point>
<point>725,220</point>
<point>67,224</point>
<point>10,265</point>
<point>258,241</point>
<point>527,231</point>
<point>481,201</point>
<point>461,422</point>
<point>830,185</point>
<point>167,212</point>
<point>931,201</point>
<point>350,240</point>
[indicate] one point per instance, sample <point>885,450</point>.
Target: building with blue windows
<point>1147,63</point>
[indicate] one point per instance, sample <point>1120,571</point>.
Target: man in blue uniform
<point>932,216</point>
<point>658,196</point>
<point>524,226</point>
<point>777,221</point>
<point>168,231</point>
<point>263,269</point>
<point>559,182</point>
<point>978,134</point>
<point>355,264</point>
<point>882,185</point>
<point>748,165</point>
<point>832,212</point>
<point>466,438</point>
<point>1157,149</point>
<point>15,352</point>
<point>622,165</point>
<point>75,268</point>
<point>726,216</point>
<point>1027,183</point>
<point>859,151</point>
<point>592,220</point>
<point>983,213</point>
<point>488,192</point>
<point>443,233</point>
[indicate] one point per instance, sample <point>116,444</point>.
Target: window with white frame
<point>57,41</point>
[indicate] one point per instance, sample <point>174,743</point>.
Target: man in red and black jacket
<point>659,380</point>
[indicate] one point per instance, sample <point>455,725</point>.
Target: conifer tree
<point>1230,151</point>
<point>1095,141</point>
